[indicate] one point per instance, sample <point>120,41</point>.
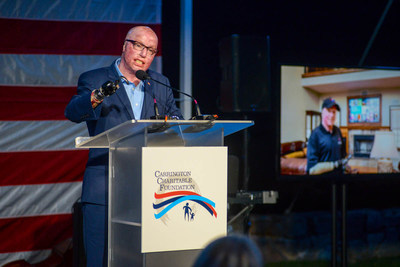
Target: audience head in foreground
<point>230,251</point>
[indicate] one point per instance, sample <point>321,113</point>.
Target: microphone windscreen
<point>142,75</point>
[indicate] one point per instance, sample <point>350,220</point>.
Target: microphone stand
<point>142,75</point>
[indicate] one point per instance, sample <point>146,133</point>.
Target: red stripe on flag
<point>65,37</point>
<point>34,233</point>
<point>34,103</point>
<point>23,168</point>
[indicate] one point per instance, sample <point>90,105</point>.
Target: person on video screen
<point>326,150</point>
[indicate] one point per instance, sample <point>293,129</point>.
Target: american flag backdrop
<point>44,46</point>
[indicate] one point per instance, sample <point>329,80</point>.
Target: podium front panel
<point>184,197</point>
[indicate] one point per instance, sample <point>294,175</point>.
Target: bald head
<point>138,52</point>
<point>141,30</point>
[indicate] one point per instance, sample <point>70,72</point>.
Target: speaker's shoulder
<point>157,76</point>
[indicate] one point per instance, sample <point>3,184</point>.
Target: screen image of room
<point>303,90</point>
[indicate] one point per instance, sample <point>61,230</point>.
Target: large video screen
<point>366,98</point>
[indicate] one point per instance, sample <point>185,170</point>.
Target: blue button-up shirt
<point>135,93</point>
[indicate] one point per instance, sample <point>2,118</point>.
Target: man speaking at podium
<point>105,98</point>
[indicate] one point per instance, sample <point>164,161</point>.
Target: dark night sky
<point>301,32</point>
<point>307,32</point>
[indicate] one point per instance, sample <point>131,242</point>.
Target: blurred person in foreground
<point>230,251</point>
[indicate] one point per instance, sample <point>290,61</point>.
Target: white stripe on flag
<point>34,256</point>
<point>52,70</point>
<point>39,135</point>
<point>147,12</point>
<point>35,200</point>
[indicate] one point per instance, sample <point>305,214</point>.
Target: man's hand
<point>341,163</point>
<point>109,88</point>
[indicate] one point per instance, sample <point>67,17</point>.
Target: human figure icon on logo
<point>188,210</point>
<point>192,216</point>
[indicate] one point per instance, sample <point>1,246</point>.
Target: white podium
<point>167,189</point>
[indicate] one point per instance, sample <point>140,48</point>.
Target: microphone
<point>157,116</point>
<point>142,75</point>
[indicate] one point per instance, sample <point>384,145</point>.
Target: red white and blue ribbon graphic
<point>174,198</point>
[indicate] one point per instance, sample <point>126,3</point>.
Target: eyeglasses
<point>139,47</point>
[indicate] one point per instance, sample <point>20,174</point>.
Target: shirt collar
<point>119,72</point>
<point>140,85</point>
<point>325,131</point>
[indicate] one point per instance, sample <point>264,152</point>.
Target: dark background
<point>323,33</point>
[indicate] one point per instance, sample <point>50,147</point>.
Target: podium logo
<point>168,201</point>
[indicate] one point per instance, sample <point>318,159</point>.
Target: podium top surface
<point>188,128</point>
